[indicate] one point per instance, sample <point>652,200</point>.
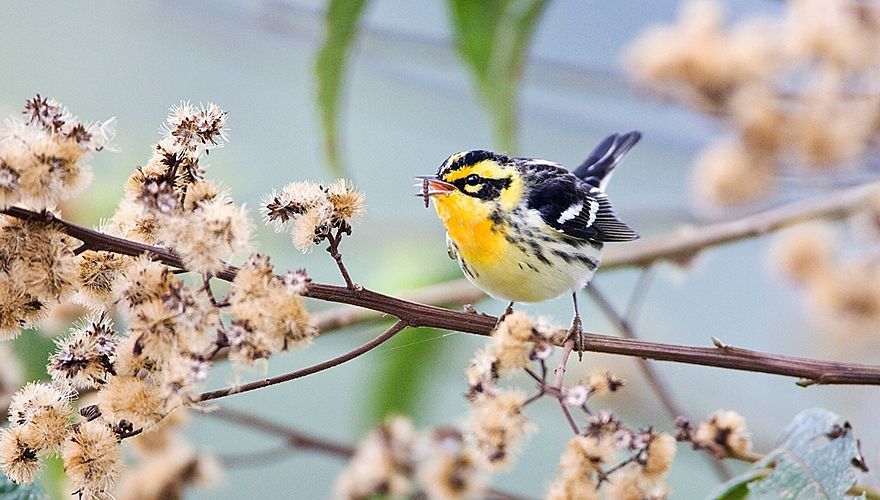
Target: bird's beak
<point>430,185</point>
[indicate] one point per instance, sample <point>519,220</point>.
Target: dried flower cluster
<point>604,455</point>
<point>166,464</point>
<point>582,465</point>
<point>43,157</point>
<point>842,289</point>
<point>39,414</point>
<point>312,211</point>
<point>37,272</point>
<point>173,326</point>
<point>268,313</point>
<point>396,461</point>
<point>793,89</point>
<point>724,434</point>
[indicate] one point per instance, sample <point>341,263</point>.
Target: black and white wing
<point>571,207</point>
<point>597,168</point>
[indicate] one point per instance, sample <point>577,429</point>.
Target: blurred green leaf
<point>341,22</point>
<point>12,491</point>
<point>405,365</point>
<point>52,479</point>
<point>492,37</point>
<point>406,362</point>
<point>813,459</point>
<point>33,349</point>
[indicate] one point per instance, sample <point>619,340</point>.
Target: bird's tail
<point>596,169</point>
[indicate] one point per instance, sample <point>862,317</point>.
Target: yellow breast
<point>468,224</point>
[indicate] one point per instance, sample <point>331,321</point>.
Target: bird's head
<point>472,184</point>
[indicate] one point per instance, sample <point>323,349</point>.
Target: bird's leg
<point>576,331</point>
<point>507,312</point>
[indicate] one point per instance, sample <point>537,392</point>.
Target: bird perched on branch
<point>528,230</point>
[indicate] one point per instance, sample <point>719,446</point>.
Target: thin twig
<point>567,347</point>
<point>292,437</point>
<point>254,459</point>
<point>454,293</point>
<point>259,384</point>
<point>333,250</point>
<point>638,295</point>
<point>567,413</point>
<point>416,314</point>
<point>623,328</point>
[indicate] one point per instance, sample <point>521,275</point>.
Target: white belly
<point>527,273</point>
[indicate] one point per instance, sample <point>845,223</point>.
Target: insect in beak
<point>430,185</point>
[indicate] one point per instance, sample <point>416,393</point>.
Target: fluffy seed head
<point>497,425</point>
<point>381,464</point>
<point>130,398</point>
<point>92,459</point>
<point>18,455</point>
<point>84,358</point>
<point>805,252</point>
<point>45,409</point>
<point>511,341</point>
<point>449,468</point>
<point>727,429</point>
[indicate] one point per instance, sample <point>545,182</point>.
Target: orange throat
<point>468,224</point>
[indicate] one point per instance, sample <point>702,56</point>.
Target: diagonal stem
<point>330,363</point>
<point>333,250</point>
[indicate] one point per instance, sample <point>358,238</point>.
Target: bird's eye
<point>472,179</point>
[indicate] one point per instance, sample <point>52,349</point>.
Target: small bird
<point>528,230</point>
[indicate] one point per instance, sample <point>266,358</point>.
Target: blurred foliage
<point>814,458</point>
<point>33,349</point>
<point>341,21</point>
<point>52,478</point>
<point>12,491</point>
<point>409,360</point>
<point>492,37</point>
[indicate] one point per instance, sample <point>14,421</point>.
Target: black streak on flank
<point>539,254</point>
<point>467,270</point>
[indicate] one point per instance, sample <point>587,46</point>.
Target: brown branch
<point>452,293</point>
<point>324,365</point>
<point>416,314</point>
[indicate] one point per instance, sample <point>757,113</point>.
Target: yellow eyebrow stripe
<point>485,168</point>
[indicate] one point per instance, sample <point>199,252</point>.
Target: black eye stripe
<point>491,188</point>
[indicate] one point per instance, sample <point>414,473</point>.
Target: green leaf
<point>12,491</point>
<point>492,37</point>
<point>813,459</point>
<point>407,364</point>
<point>341,22</point>
<point>33,349</point>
